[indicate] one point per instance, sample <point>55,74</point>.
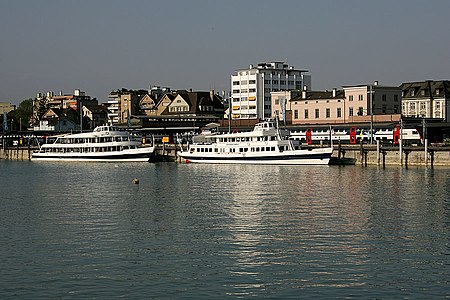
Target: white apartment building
<point>251,88</point>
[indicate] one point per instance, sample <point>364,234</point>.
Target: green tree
<point>24,112</point>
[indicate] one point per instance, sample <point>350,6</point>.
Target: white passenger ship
<point>105,143</point>
<point>266,144</point>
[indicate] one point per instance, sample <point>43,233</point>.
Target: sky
<point>102,45</point>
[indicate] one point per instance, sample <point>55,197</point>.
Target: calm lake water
<point>222,231</point>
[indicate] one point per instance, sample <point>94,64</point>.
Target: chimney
<point>334,92</point>
<point>375,82</point>
<point>305,89</point>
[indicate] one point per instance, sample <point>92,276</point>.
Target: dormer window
<point>437,91</point>
<point>411,92</point>
<point>422,92</point>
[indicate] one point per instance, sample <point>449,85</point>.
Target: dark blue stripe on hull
<point>121,156</point>
<point>287,157</point>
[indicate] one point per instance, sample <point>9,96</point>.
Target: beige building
<point>309,107</point>
<point>124,103</point>
<point>350,105</point>
<point>6,107</point>
<point>384,100</point>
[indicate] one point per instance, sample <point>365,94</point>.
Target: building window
<point>395,98</point>
<point>317,113</point>
<point>244,82</point>
<point>350,98</point>
<point>235,82</point>
<point>423,106</point>
<point>295,114</point>
<point>438,105</point>
<point>267,81</point>
<point>274,81</point>
<point>277,101</point>
<point>339,112</point>
<point>327,113</point>
<point>251,81</point>
<point>306,114</point>
<point>360,97</point>
<point>350,111</point>
<point>251,90</point>
<point>235,91</point>
<point>383,97</point>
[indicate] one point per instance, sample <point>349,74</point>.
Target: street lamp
<point>371,113</point>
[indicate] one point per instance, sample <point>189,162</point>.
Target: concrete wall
<point>392,157</point>
<point>16,153</point>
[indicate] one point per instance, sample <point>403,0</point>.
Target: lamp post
<point>371,113</point>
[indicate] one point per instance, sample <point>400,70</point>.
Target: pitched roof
<point>319,95</point>
<point>97,108</point>
<point>197,99</point>
<point>426,89</point>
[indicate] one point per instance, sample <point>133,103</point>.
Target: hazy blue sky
<point>101,45</point>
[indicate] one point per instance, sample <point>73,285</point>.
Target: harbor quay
<point>360,155</point>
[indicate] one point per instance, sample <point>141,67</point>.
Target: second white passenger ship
<point>105,143</point>
<point>266,144</point>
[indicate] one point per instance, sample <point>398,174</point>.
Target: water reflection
<point>202,231</point>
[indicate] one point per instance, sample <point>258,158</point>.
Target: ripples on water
<point>210,231</point>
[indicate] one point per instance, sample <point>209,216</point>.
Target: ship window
<point>267,148</point>
<point>272,148</point>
